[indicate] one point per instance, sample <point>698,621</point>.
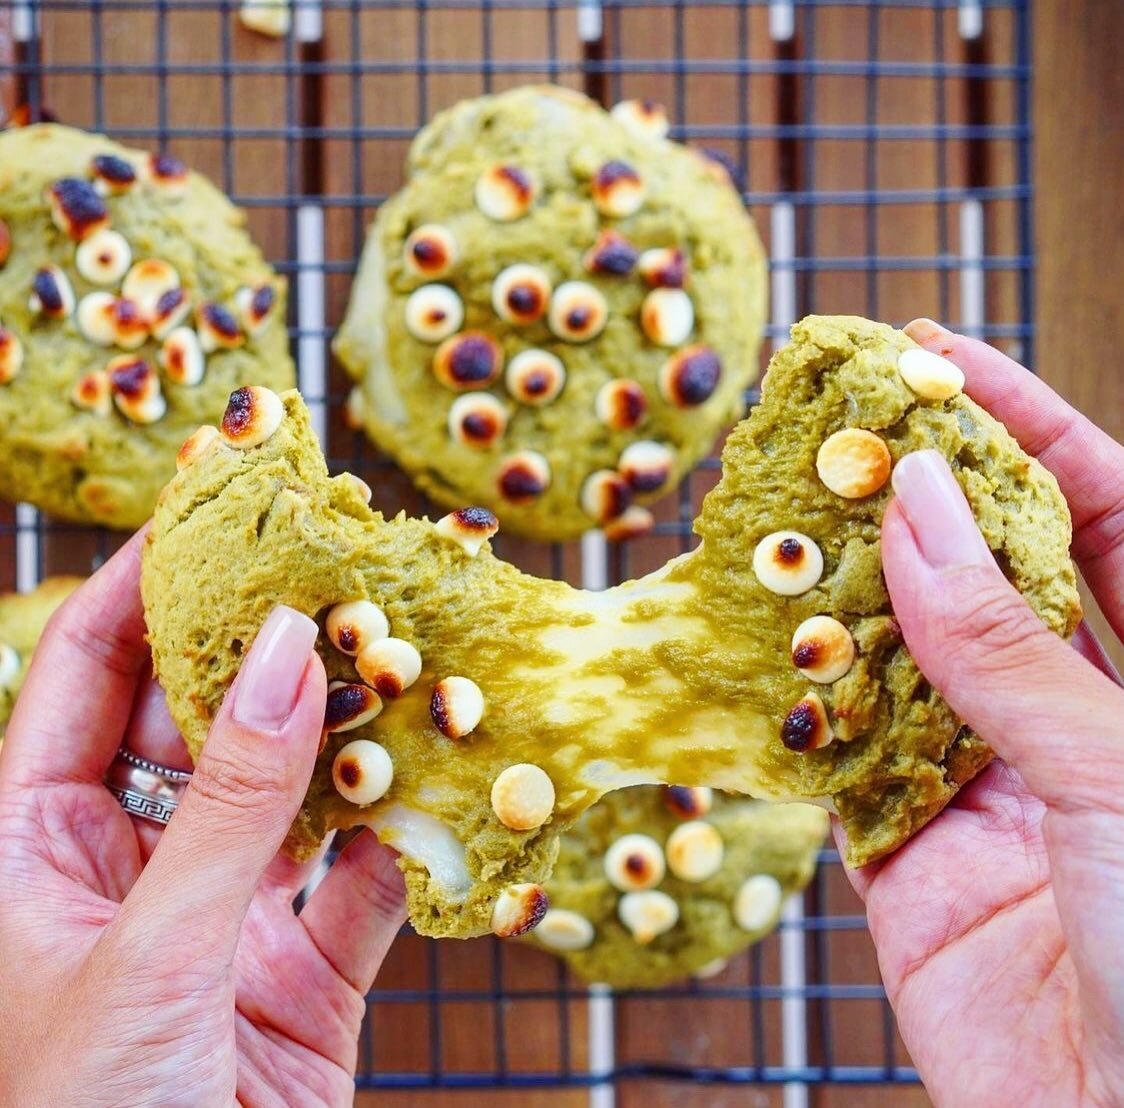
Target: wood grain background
<point>499,1010</point>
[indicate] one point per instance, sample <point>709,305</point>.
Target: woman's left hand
<point>149,966</point>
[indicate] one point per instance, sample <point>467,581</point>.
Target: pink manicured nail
<point>924,330</point>
<point>265,692</point>
<point>937,512</point>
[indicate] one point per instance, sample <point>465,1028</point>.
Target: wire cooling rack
<point>883,149</point>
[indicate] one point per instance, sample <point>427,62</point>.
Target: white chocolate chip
<point>822,649</point>
<point>255,306</point>
<point>266,17</point>
<point>456,706</point>
<point>364,491</point>
<point>469,528</point>
<point>689,377</point>
<point>523,477</point>
<point>430,251</point>
<point>634,862</point>
<point>642,117</point>
<point>93,393</point>
<point>757,904</point>
<point>362,772</point>
<point>355,625</point>
<point>477,419</point>
<point>470,360</point>
<point>217,327</point>
<point>519,909</point>
<point>688,801</point>
<point>535,377</point>
<point>630,524</point>
<point>95,318</point>
<point>521,294</point>
<point>646,465</point>
<point>433,313</point>
<point>253,414</point>
<point>389,666</point>
<point>621,405</point>
<point>113,175</point>
<point>350,706</point>
<point>806,727</point>
<point>648,914</point>
<point>9,664</point>
<point>663,267</point>
<point>172,308</point>
<point>198,443</point>
<point>618,190</point>
<point>929,375</point>
<point>181,357</point>
<point>711,969</point>
<point>76,207</point>
<point>695,851</point>
<point>788,563</point>
<point>136,389</point>
<point>578,312</point>
<point>523,797</point>
<point>51,294</point>
<point>853,463</point>
<point>104,258</point>
<point>667,316</point>
<point>147,281</point>
<point>562,929</point>
<point>605,495</point>
<point>11,355</point>
<point>166,174</point>
<point>504,192</point>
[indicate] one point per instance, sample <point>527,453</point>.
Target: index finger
<point>78,695</point>
<point>1088,463</point>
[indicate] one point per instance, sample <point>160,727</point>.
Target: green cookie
<point>132,302</point>
<point>557,314</point>
<point>510,704</point>
<point>696,880</point>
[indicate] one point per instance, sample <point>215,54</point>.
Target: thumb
<point>246,790</point>
<point>1024,690</point>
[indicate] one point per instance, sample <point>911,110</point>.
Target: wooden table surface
<point>1078,93</point>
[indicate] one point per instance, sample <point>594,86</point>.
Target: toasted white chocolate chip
<point>198,443</point>
<point>618,190</point>
<point>136,389</point>
<point>605,495</point>
<point>51,293</point>
<point>562,929</point>
<point>361,487</point>
<point>77,209</point>
<point>646,465</point>
<point>92,392</point>
<point>806,727</point>
<point>113,175</point>
<point>103,258</point>
<point>167,174</point>
<point>11,355</point>
<point>147,281</point>
<point>690,376</point>
<point>663,267</point>
<point>456,706</point>
<point>523,797</point>
<point>253,413</point>
<point>688,801</point>
<point>470,360</point>
<point>477,419</point>
<point>172,308</point>
<point>468,527</point>
<point>642,117</point>
<point>519,909</point>
<point>362,772</point>
<point>389,666</point>
<point>523,476</point>
<point>612,255</point>
<point>255,306</point>
<point>822,649</point>
<point>578,312</point>
<point>929,375</point>
<point>181,357</point>
<point>349,706</point>
<point>504,192</point>
<point>634,862</point>
<point>430,251</point>
<point>217,327</point>
<point>630,524</point>
<point>266,17</point>
<point>648,914</point>
<point>621,405</point>
<point>853,463</point>
<point>433,313</point>
<point>695,851</point>
<point>521,294</point>
<point>711,969</point>
<point>788,563</point>
<point>757,903</point>
<point>106,320</point>
<point>355,625</point>
<point>535,377</point>
<point>667,316</point>
<point>9,664</point>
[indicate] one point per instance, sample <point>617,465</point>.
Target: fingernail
<point>265,693</point>
<point>924,330</point>
<point>937,512</point>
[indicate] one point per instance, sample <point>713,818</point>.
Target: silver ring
<point>145,788</point>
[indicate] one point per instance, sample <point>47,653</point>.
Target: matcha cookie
<point>655,884</point>
<point>132,302</point>
<point>22,619</point>
<point>479,711</point>
<point>557,314</point>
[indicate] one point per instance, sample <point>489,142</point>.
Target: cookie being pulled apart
<point>132,302</point>
<point>656,884</point>
<point>477,711</point>
<point>557,313</point>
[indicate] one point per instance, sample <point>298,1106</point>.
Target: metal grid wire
<point>883,149</point>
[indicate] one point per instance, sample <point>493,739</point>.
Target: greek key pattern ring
<point>145,789</point>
